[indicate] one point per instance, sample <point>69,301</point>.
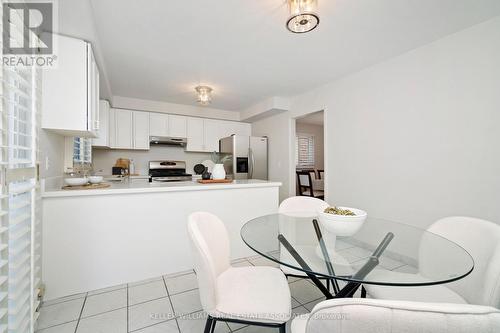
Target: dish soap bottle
<point>131,168</point>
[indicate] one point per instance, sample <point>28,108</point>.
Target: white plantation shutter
<point>304,147</point>
<point>20,233</point>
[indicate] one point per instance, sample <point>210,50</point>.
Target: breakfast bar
<point>135,230</point>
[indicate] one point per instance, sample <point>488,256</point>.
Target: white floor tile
<point>406,269</point>
<point>181,283</point>
<point>257,329</point>
<point>137,283</point>
<point>264,262</point>
<point>64,299</point>
<point>389,263</point>
<point>196,323</point>
<point>149,313</point>
<point>146,292</point>
<point>109,322</point>
<point>342,245</point>
<point>309,306</point>
<point>296,312</point>
<point>243,263</point>
<point>63,328</point>
<point>186,303</point>
<point>165,327</point>
<point>60,313</point>
<point>304,291</point>
<point>105,290</point>
<point>105,302</point>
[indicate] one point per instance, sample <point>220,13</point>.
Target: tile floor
<point>168,304</point>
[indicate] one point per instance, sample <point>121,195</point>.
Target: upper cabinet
<point>128,129</point>
<point>70,103</point>
<point>203,135</point>
<point>102,139</point>
<point>167,125</point>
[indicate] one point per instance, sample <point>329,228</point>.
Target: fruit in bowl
<point>342,221</point>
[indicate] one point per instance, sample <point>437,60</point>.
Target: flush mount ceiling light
<point>303,16</point>
<point>204,94</point>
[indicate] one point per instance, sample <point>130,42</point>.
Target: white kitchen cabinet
<point>195,134</point>
<point>158,124</point>
<point>70,99</point>
<point>177,126</point>
<point>103,134</point>
<point>123,129</point>
<point>203,135</point>
<point>129,129</point>
<point>212,133</point>
<point>140,122</point>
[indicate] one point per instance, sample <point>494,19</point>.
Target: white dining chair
<point>248,295</point>
<point>302,206</point>
<point>357,315</point>
<point>481,239</point>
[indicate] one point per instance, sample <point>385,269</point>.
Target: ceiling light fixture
<point>204,94</point>
<point>303,16</point>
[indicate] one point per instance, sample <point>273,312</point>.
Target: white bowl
<point>96,179</point>
<point>342,225</point>
<point>75,181</point>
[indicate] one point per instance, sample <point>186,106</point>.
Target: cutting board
<point>214,181</point>
<point>87,186</point>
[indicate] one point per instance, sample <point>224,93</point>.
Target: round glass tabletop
<point>381,252</point>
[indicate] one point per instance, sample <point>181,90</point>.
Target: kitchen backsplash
<point>104,159</point>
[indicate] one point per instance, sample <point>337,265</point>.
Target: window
<point>82,150</point>
<point>304,147</point>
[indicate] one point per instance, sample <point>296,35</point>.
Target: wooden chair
<point>305,183</point>
<point>321,174</point>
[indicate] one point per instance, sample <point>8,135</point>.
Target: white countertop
<point>54,189</point>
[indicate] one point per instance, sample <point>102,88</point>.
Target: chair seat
<point>315,193</point>
<point>253,294</point>
<point>433,294</point>
<point>299,324</point>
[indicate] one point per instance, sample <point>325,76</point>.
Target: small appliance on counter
<point>168,171</point>
<point>121,167</point>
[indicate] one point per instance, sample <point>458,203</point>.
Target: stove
<point>168,171</point>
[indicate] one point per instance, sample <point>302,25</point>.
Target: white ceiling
<point>160,50</point>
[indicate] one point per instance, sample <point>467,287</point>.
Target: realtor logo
<point>28,28</point>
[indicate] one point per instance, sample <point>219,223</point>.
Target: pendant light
<point>303,16</point>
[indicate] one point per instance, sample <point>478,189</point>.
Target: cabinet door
<point>195,137</point>
<point>158,124</point>
<point>177,126</point>
<point>123,129</point>
<point>141,130</point>
<point>103,134</point>
<point>92,92</point>
<point>64,93</point>
<point>212,135</point>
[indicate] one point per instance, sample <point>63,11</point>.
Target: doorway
<point>309,173</point>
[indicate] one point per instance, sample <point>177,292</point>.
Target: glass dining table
<point>381,252</point>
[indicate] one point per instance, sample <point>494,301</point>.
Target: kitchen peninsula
<point>135,230</point>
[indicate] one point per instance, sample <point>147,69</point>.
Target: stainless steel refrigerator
<point>246,156</point>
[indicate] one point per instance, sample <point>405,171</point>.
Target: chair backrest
<point>305,182</point>
<point>482,240</point>
<point>211,249</point>
<point>302,205</point>
<point>353,315</point>
<point>313,174</point>
<point>321,174</point>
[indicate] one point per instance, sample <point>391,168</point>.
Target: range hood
<point>167,141</point>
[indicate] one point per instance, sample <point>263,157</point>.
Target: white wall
<point>417,137</point>
<point>105,158</point>
<point>51,154</point>
<point>317,132</point>
<point>279,130</point>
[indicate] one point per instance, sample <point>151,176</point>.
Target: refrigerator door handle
<point>251,163</point>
